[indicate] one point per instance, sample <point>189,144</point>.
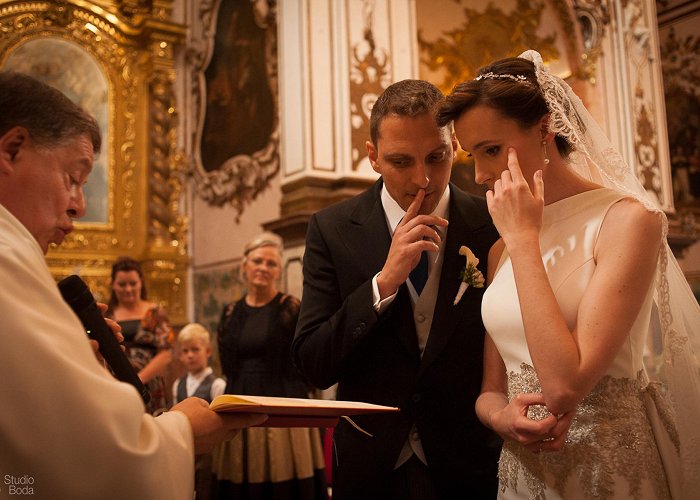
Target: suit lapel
<point>367,237</point>
<point>446,316</point>
<point>404,325</point>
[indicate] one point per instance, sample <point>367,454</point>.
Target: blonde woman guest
<point>148,336</point>
<point>254,340</point>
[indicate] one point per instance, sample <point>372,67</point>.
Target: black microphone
<point>76,293</point>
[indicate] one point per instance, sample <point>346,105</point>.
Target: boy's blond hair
<point>194,331</point>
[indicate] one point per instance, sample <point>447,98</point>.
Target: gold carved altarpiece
<point>133,43</point>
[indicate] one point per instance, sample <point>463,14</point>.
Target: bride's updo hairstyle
<point>508,86</point>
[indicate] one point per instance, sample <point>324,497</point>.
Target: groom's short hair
<point>404,98</point>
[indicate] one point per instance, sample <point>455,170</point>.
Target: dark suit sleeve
<point>336,308</point>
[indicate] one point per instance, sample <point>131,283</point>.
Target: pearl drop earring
<point>546,157</point>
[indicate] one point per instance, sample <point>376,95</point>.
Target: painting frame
<point>238,177</point>
<point>85,82</point>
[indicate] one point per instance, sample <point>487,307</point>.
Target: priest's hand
<point>210,428</point>
<point>116,329</point>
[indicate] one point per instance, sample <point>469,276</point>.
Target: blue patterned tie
<point>419,275</point>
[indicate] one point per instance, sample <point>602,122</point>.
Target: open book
<point>295,412</point>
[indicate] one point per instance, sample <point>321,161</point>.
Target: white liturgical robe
<point>68,429</point>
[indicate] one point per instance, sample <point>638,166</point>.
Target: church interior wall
<point>316,67</point>
<point>679,44</point>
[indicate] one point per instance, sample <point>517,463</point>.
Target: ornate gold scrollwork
<point>368,79</point>
<point>593,16</point>
<point>493,32</point>
<point>484,36</point>
<point>132,43</point>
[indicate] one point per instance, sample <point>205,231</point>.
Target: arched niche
<point>75,72</point>
<point>116,59</point>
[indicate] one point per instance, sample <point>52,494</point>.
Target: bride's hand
<point>557,436</point>
<point>512,422</point>
<point>516,210</point>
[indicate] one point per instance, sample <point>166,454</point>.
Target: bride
<point>580,273</point>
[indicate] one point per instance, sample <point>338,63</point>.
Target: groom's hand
<point>413,235</point>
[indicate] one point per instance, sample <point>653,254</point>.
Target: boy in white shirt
<point>194,351</point>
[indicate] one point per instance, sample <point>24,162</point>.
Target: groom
<point>381,272</point>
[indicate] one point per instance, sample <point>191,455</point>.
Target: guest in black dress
<point>254,339</point>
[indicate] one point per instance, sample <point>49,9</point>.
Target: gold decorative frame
<point>481,32</point>
<point>241,178</point>
<point>69,68</point>
<point>134,45</point>
<point>574,29</point>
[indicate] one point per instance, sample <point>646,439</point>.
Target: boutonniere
<point>470,275</point>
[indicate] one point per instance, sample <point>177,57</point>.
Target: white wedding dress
<point>621,430</point>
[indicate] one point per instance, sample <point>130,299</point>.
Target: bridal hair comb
<point>493,76</point>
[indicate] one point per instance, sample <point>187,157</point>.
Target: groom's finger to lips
<point>414,207</point>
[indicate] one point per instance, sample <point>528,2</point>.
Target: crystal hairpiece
<point>493,76</point>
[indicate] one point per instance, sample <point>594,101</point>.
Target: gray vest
<point>203,390</point>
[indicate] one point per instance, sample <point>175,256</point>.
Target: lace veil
<point>677,314</point>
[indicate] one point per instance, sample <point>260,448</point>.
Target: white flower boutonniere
<point>470,275</point>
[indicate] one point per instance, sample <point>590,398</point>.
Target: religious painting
<point>69,68</point>
<point>240,106</point>
<point>235,86</point>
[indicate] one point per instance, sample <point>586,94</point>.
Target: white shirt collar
<point>7,217</point>
<point>394,213</point>
<point>197,379</point>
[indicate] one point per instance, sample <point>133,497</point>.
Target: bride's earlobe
<point>544,127</point>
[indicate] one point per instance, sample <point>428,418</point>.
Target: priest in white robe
<point>68,429</point>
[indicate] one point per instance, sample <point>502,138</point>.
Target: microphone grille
<point>75,292</point>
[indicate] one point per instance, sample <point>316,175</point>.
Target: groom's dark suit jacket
<point>375,358</point>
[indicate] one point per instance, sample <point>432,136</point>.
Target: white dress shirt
<point>423,304</point>
<point>218,385</point>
